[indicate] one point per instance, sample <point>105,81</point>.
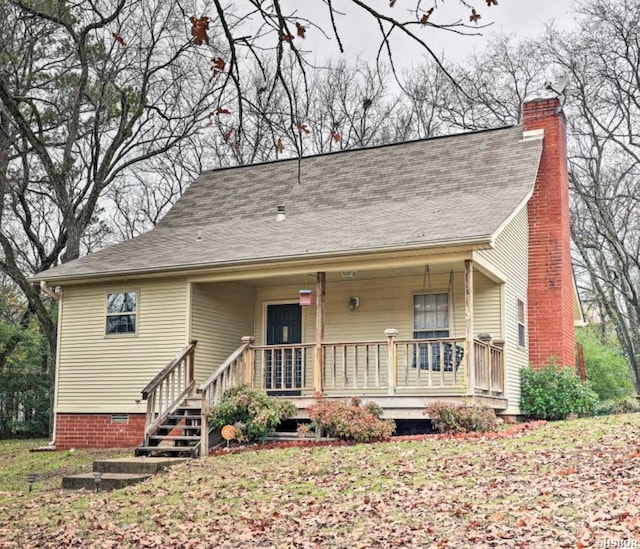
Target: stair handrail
<point>204,386</point>
<point>225,376</point>
<point>161,392</point>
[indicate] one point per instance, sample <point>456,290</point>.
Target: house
<point>433,269</point>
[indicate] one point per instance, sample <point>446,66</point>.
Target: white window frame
<point>521,322</point>
<point>413,313</point>
<point>134,313</point>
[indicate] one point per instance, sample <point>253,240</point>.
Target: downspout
<point>53,294</point>
<point>47,290</point>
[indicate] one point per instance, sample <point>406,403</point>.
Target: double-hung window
<point>431,321</point>
<point>122,313</point>
<point>522,339</point>
<point>430,315</point>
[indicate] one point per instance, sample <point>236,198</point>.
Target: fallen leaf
<point>118,39</point>
<point>425,16</point>
<point>199,28</point>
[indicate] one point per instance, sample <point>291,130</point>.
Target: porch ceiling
<point>261,280</point>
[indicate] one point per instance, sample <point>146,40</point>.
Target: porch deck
<point>402,376</point>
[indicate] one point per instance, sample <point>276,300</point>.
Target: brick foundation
<point>551,292</point>
<point>98,431</point>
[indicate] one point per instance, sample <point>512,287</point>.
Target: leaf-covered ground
<point>567,484</point>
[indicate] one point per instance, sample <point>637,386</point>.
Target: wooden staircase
<point>179,434</point>
<point>176,422</point>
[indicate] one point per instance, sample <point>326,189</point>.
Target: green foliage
<point>607,370</point>
<point>554,392</point>
<point>24,382</point>
<point>457,418</point>
<point>252,412</point>
<point>624,405</point>
<point>349,421</point>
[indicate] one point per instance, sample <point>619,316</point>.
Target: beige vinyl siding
<point>510,257</point>
<point>487,316</point>
<point>221,315</point>
<point>105,374</point>
<point>384,303</point>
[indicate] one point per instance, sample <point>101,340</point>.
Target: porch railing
<point>167,390</point>
<point>235,370</point>
<point>489,364</point>
<point>411,365</point>
<point>433,363</point>
<point>283,369</point>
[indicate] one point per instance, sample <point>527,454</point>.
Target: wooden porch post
<point>317,354</point>
<point>468,315</point>
<point>248,364</point>
<point>392,363</point>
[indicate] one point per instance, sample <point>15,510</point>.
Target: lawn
<point>567,484</point>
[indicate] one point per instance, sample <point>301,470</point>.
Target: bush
<point>623,405</point>
<point>252,412</point>
<point>607,370</point>
<point>555,392</point>
<point>349,421</point>
<point>24,381</point>
<point>458,418</point>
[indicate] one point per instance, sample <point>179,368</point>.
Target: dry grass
<point>568,484</point>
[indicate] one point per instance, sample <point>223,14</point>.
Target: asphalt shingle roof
<point>425,193</point>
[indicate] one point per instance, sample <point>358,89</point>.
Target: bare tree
<point>80,107</point>
<point>603,59</point>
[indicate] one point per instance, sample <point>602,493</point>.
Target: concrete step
<point>176,451</point>
<point>175,438</point>
<point>108,481</point>
<point>136,465</point>
<point>284,436</point>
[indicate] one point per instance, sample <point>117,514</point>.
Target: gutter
<point>471,243</point>
<point>54,295</point>
<point>50,292</point>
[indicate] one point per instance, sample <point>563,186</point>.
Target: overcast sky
<point>360,35</point>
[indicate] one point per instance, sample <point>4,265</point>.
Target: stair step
<point>178,437</point>
<point>136,465</point>
<point>180,418</point>
<point>170,450</point>
<point>108,481</point>
<point>283,435</point>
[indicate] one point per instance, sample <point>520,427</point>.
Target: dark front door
<point>283,367</point>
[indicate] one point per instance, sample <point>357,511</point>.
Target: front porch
<point>401,336</point>
<point>402,376</point>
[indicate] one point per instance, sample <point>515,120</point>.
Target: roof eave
<point>469,244</point>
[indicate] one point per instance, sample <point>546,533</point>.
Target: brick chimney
<point>551,290</point>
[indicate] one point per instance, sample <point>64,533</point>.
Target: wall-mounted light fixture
<point>354,303</point>
<point>281,215</point>
<point>305,298</point>
<point>348,275</point>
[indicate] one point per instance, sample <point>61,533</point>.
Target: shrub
<point>252,412</point>
<point>607,370</point>
<point>349,421</point>
<point>554,392</point>
<point>623,405</point>
<point>458,418</point>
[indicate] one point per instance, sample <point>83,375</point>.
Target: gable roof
<point>449,190</point>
